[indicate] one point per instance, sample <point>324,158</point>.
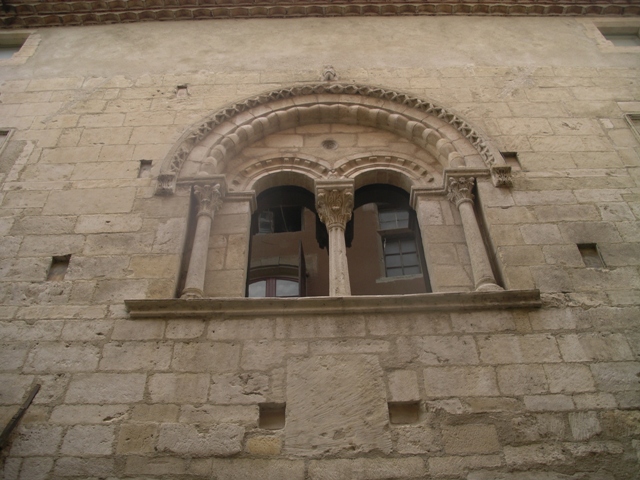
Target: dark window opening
<point>590,255</point>
<point>274,287</point>
<point>512,159</point>
<point>280,219</point>
<point>145,169</point>
<point>58,268</point>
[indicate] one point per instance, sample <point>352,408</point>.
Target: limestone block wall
<point>548,392</point>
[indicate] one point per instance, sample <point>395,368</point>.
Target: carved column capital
<point>459,190</point>
<point>209,199</point>
<point>334,203</point>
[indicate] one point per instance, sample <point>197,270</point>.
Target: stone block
<point>589,232</point>
<point>106,388</point>
<point>351,415</point>
<point>264,445</point>
<point>138,330</point>
<point>541,403</point>
<point>595,279</point>
<point>185,329</point>
<point>584,425</point>
<point>522,379</point>
<point>552,279</point>
<point>36,439</point>
<point>445,350</point>
<point>154,266</point>
<point>106,136</point>
<point>460,382</point>
<point>86,268</point>
<point>57,357</point>
<point>616,376</point>
<point>503,349</point>
<point>88,414</point>
<point>88,201</point>
<point>221,440</point>
<point>544,197</point>
<point>104,171</point>
<point>50,245</point>
<point>41,225</point>
<point>585,347</point>
<point>562,255</point>
<point>213,414</point>
<point>36,468</point>
<point>470,439</point>
<point>367,469</point>
<point>537,454</point>
<point>212,357</point>
<point>255,469</point>
<point>179,388</point>
<point>83,440</point>
<point>450,466</point>
<point>115,291</point>
<point>240,329</point>
<point>160,465</point>
<point>403,386</point>
<point>143,356</point>
<point>151,413</point>
<point>319,327</point>
<point>84,467</point>
<point>476,322</point>
<point>521,255</point>
<point>137,438</point>
<point>241,389</point>
<point>12,355</point>
<point>569,378</point>
<point>355,345</point>
<point>118,243</point>
<point>108,223</point>
<point>595,401</point>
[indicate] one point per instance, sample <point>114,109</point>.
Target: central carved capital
<point>334,203</point>
<point>209,199</point>
<point>459,190</point>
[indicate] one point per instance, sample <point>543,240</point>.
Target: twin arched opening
<point>231,159</point>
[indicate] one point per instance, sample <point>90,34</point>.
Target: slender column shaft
<point>459,192</point>
<point>334,203</point>
<point>209,200</point>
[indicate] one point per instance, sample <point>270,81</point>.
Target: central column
<point>209,200</point>
<point>459,193</point>
<point>334,203</point>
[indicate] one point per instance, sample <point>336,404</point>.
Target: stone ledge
<point>312,306</point>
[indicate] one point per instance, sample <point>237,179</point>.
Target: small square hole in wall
<point>182,91</point>
<point>272,416</point>
<point>590,255</point>
<point>145,169</point>
<point>621,36</point>
<point>511,159</point>
<point>403,413</point>
<point>58,268</point>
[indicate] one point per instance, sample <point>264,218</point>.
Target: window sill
<point>266,307</point>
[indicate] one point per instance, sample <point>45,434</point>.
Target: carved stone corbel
<point>501,176</point>
<point>166,184</point>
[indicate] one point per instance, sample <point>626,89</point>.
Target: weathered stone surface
<point>178,388</point>
<point>106,388</point>
<point>360,469</point>
<point>470,439</point>
<point>264,445</point>
<point>88,440</point>
<point>325,421</point>
<point>460,381</point>
<point>248,469</point>
<point>137,438</point>
<point>221,441</point>
<point>36,439</point>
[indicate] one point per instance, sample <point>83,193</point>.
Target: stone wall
<point>513,394</point>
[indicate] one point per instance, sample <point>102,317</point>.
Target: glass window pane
<point>393,261</point>
<point>408,245</point>
<point>394,272</point>
<point>286,288</point>
<point>391,246</point>
<point>412,270</point>
<point>258,289</point>
<point>410,259</point>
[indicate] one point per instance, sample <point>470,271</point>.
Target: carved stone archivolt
<point>399,113</point>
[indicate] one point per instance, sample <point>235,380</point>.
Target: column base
<point>489,287</point>
<point>191,293</point>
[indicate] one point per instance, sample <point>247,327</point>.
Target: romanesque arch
<point>215,141</point>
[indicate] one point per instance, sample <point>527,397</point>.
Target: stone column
<point>334,203</point>
<point>459,193</point>
<point>209,200</point>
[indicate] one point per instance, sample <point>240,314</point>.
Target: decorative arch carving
<point>447,137</point>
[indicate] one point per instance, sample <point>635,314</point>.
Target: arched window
<point>285,258</point>
<point>386,251</point>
